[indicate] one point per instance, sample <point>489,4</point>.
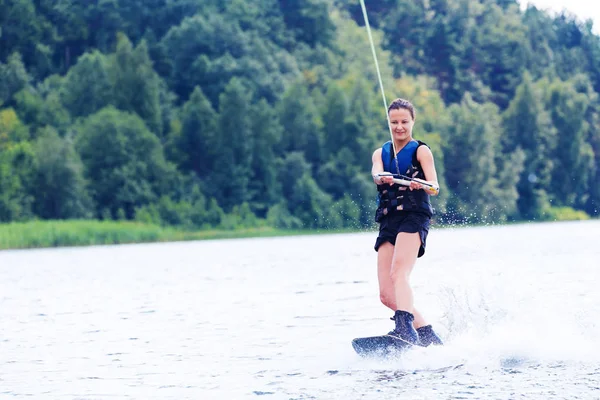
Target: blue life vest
<point>405,157</point>
<point>398,198</point>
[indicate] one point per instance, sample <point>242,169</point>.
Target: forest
<point>211,114</point>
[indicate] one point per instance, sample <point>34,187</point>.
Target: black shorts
<point>409,222</point>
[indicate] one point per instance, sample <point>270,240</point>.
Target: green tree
<point>366,124</point>
<point>12,129</point>
<point>592,205</point>
<point>569,56</point>
<point>70,30</point>
<point>528,126</point>
<point>191,42</point>
<point>441,51</point>
<point>347,211</point>
<point>230,179</point>
<point>499,51</point>
<point>13,77</point>
<point>588,197</point>
<point>310,204</point>
<point>264,187</point>
<point>411,19</point>
<point>470,156</point>
<point>334,176</point>
<point>59,188</point>
<point>15,182</point>
<point>195,143</point>
<point>334,117</point>
<point>210,49</point>
<point>136,86</point>
<point>572,155</point>
<point>23,32</point>
<point>291,167</point>
<point>87,87</point>
<point>308,20</point>
<point>16,168</point>
<point>124,162</point>
<point>301,123</point>
<point>350,59</point>
<point>541,35</point>
<point>42,106</point>
<point>591,48</point>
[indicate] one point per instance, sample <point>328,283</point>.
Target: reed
<point>38,234</point>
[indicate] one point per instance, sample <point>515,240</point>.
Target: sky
<point>583,9</point>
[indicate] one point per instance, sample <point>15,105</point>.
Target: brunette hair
<point>402,103</point>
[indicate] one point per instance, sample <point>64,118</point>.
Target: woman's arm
<point>378,168</point>
<point>425,157</point>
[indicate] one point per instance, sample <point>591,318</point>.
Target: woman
<point>404,214</point>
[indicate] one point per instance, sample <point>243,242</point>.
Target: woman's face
<point>401,123</point>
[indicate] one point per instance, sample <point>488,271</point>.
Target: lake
<point>273,318</point>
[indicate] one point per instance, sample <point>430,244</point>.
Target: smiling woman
<point>404,215</point>
<point>404,212</point>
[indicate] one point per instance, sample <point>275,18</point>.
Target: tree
<point>210,49</point>
<point>22,31</point>
<point>570,57</point>
<point>60,190</point>
<point>15,172</point>
<point>591,48</point>
<point>264,186</point>
<point>541,36</point>
<point>573,157</point>
<point>334,117</point>
<point>301,124</point>
<point>230,179</point>
<point>309,20</point>
<point>12,129</point>
<point>16,160</point>
<point>410,19</point>
<point>136,86</point>
<point>499,52</point>
<point>441,51</point>
<point>13,77</point>
<point>291,167</point>
<point>42,106</point>
<point>310,204</point>
<point>588,195</point>
<point>528,127</point>
<point>87,87</point>
<point>470,157</point>
<point>195,144</point>
<point>123,161</point>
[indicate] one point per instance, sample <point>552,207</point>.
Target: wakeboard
<point>380,345</point>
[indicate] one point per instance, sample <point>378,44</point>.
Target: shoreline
<point>81,233</point>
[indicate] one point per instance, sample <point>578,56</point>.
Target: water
<point>273,318</point>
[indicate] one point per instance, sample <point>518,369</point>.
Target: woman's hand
<point>382,179</point>
<point>414,185</point>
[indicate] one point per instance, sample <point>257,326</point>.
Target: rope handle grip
<point>405,181</point>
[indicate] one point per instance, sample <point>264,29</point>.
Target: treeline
<point>204,113</point>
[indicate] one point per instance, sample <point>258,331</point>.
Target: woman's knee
<point>399,273</point>
<point>387,299</point>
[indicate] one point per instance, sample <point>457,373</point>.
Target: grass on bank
<point>39,234</point>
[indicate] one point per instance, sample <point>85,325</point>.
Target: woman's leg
<point>405,255</point>
<point>419,320</point>
<point>387,293</point>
